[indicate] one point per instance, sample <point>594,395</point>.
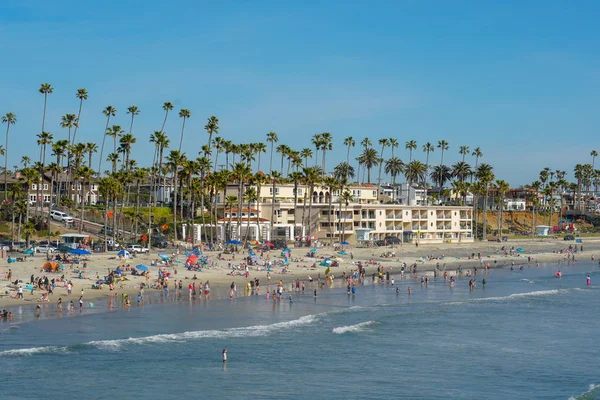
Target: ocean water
<point>526,335</point>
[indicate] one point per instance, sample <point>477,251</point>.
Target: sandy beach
<point>218,271</point>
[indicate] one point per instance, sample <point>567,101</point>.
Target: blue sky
<point>520,79</point>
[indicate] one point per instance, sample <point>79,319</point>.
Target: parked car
<point>136,248</point>
<point>158,241</point>
<point>61,216</point>
<point>106,229</point>
<point>569,237</point>
<point>45,248</point>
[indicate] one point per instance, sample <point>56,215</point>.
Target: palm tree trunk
<point>6,163</point>
<point>137,207</point>
<point>82,205</point>
<point>329,216</point>
<point>175,202</point>
<point>484,220</point>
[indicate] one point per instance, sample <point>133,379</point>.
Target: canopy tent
<point>191,259</point>
<point>53,266</point>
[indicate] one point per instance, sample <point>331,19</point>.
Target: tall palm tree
<point>167,106</point>
<point>326,145</point>
<point>369,158</point>
<point>410,146</point>
<point>84,175</point>
<point>394,166</point>
<point>440,174</point>
<point>133,111</point>
<point>349,142</point>
<point>259,148</point>
<point>485,175</point>
<point>594,154</point>
<point>108,112</point>
<point>8,119</point>
<point>241,173</point>
<point>212,128</point>
<point>175,160</point>
<point>306,153</point>
<point>346,198</point>
<point>275,178</point>
<point>317,142</point>
<point>44,139</point>
<point>502,187</point>
<point>282,149</point>
<point>90,149</point>
<point>443,146</point>
<point>477,154</point>
<point>68,121</point>
<point>394,143</point>
<point>461,170</point>
<point>82,95</point>
<point>45,89</point>
<point>383,142</point>
<point>463,151</point>
<point>312,178</point>
<point>114,131</point>
<point>332,184</point>
<point>184,114</point>
<point>272,138</point>
<point>251,196</point>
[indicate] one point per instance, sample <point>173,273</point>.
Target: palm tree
<point>282,149</point>
<point>275,178</point>
<point>393,144</point>
<point>25,160</point>
<point>44,139</point>
<point>68,121</point>
<point>114,132</point>
<point>343,171</point>
<point>82,95</point>
<point>272,138</point>
<point>175,160</point>
<point>45,89</point>
<point>139,175</point>
<point>369,159</point>
<point>241,173</point>
<point>443,146</point>
<point>312,177</point>
<point>167,106</point>
<point>251,196</point>
<point>212,127</point>
<point>259,148</point>
<point>90,148</point>
<point>383,142</point>
<point>410,146</point>
<point>331,184</point>
<point>394,166</point>
<point>463,151</point>
<point>348,142</point>
<point>461,169</point>
<point>485,175</point>
<point>109,111</point>
<point>477,154</point>
<point>31,175</point>
<point>462,189</point>
<point>185,114</point>
<point>306,153</point>
<point>326,144</point>
<point>230,201</point>
<point>594,154</point>
<point>346,198</point>
<point>317,142</point>
<point>502,187</point>
<point>428,148</point>
<point>133,111</point>
<point>440,174</point>
<point>8,119</point>
<point>84,175</point>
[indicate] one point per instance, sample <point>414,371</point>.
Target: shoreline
<point>449,257</point>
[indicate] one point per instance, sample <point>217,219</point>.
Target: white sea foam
<point>513,296</point>
<point>528,280</point>
<point>249,331</point>
<point>589,394</point>
<point>353,328</point>
<point>34,350</point>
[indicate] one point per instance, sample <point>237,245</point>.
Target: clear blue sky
<point>520,79</point>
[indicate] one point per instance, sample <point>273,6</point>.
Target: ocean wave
<point>513,296</point>
<point>591,393</point>
<point>34,350</point>
<point>528,280</point>
<point>249,331</point>
<point>353,328</point>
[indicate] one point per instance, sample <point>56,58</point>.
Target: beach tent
<point>313,250</point>
<point>29,252</point>
<point>124,254</point>
<point>164,257</point>
<point>53,266</point>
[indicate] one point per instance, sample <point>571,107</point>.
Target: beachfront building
<point>320,215</point>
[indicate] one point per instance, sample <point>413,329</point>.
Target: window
<point>276,191</point>
<point>380,213</point>
<point>45,186</point>
<point>33,186</point>
<point>374,193</point>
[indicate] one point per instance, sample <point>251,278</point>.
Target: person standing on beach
<point>80,303</point>
<point>59,305</point>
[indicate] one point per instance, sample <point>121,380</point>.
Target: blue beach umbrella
<point>345,243</point>
<point>141,267</point>
<point>313,250</point>
<point>521,250</point>
<point>29,252</point>
<point>342,253</point>
<point>79,252</point>
<point>233,242</point>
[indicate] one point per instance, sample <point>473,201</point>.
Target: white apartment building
<point>293,217</point>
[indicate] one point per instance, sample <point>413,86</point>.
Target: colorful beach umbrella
<point>270,244</point>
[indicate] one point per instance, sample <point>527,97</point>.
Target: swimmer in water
<point>224,353</point>
<point>409,290</point>
<point>588,280</point>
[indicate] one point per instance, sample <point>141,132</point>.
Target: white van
<point>61,216</point>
